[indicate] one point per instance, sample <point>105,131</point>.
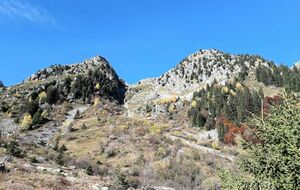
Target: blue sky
<point>141,38</point>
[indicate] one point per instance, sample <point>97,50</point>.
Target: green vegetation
<point>14,149</point>
<point>274,163</point>
<point>279,76</point>
<point>233,101</point>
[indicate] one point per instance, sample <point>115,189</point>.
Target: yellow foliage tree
<point>97,86</point>
<point>225,89</point>
<point>238,86</point>
<point>96,101</point>
<point>215,145</point>
<point>194,103</point>
<point>45,114</point>
<point>168,100</point>
<point>27,121</point>
<point>172,108</point>
<point>233,93</point>
<point>42,97</point>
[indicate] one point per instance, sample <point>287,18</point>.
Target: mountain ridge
<point>82,122</point>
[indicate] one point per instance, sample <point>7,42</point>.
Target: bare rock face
<point>192,74</point>
<point>205,66</point>
<point>297,65</point>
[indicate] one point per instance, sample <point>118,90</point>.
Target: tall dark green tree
<point>275,162</point>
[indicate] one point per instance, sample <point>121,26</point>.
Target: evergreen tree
<point>210,123</point>
<point>200,120</point>
<point>52,95</point>
<point>222,130</point>
<point>275,162</point>
<point>38,118</point>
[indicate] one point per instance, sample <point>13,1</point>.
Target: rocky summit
<point>80,126</point>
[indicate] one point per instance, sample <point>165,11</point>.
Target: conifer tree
<point>275,162</point>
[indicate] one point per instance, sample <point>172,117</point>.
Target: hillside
<point>80,126</point>
<point>194,73</point>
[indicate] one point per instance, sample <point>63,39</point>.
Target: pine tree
<point>210,123</point>
<point>275,162</point>
<point>200,120</point>
<point>52,95</point>
<point>222,130</point>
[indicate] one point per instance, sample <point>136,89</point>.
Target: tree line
<point>279,76</point>
<point>234,101</point>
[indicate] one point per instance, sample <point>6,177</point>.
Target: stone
<point>40,159</point>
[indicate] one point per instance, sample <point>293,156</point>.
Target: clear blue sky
<point>141,38</point>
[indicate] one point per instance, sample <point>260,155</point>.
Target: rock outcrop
<point>55,71</point>
<point>205,66</point>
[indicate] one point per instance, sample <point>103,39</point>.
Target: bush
<point>13,149</point>
<point>42,97</point>
<point>26,122</point>
<point>4,107</point>
<point>33,160</point>
<point>60,159</point>
<point>77,115</point>
<point>38,118</point>
<point>125,182</point>
<point>89,170</point>
<point>63,148</point>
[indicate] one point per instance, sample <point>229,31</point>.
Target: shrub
<point>60,159</point>
<point>125,182</point>
<point>155,129</point>
<point>4,107</point>
<point>33,160</point>
<point>89,170</point>
<point>77,115</point>
<point>26,122</point>
<point>38,118</point>
<point>13,149</point>
<point>63,148</point>
<point>42,97</point>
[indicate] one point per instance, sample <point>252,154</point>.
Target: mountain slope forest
<point>214,121</point>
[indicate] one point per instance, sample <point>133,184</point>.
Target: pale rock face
<point>191,74</point>
<point>203,67</point>
<point>297,64</point>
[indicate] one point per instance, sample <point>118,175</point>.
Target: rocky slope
<point>192,74</point>
<point>297,64</point>
<point>205,66</point>
<point>84,137</point>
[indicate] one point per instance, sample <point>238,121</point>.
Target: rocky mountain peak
<point>205,66</point>
<point>55,71</point>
